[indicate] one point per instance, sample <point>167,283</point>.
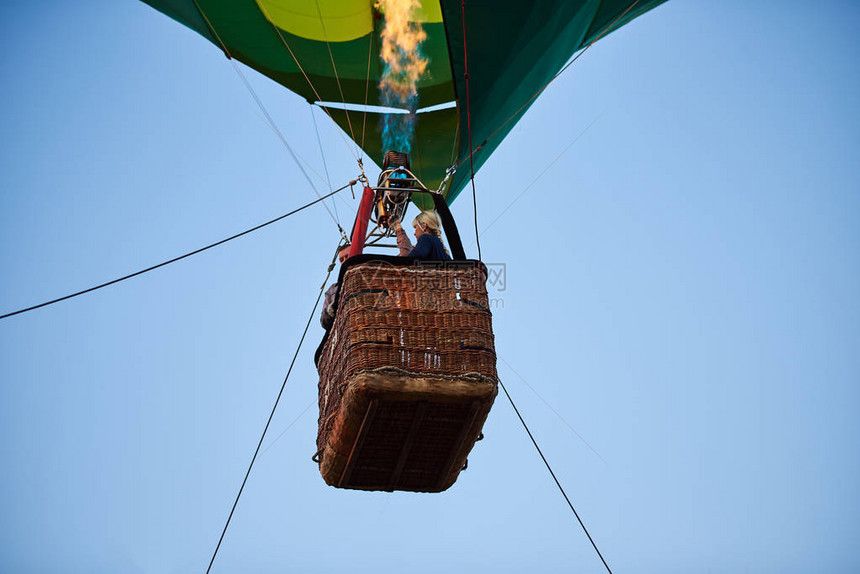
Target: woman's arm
<point>403,242</point>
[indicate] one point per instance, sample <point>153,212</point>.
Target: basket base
<point>404,432</point>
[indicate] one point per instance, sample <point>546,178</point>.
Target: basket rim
<point>395,261</point>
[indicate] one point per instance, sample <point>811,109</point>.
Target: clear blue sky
<point>682,289</point>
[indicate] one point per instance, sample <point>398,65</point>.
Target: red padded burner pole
<point>361,220</point>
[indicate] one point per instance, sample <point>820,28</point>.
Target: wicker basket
<point>407,375</point>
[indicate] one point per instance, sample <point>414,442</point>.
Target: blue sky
<point>681,289</point>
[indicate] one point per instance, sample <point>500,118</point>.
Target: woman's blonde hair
<point>429,222</point>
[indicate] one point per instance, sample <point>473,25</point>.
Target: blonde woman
<point>428,238</point>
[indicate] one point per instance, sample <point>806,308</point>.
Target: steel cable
<point>175,259</point>
<point>272,414</point>
<point>557,483</point>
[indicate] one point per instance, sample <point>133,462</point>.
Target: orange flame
<point>404,64</point>
<point>401,48</point>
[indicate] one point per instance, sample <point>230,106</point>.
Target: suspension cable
<point>327,179</point>
<point>257,99</point>
<point>550,407</point>
<point>272,414</point>
<point>469,124</point>
<point>308,165</point>
<point>262,7</point>
<point>322,154</point>
<point>175,259</point>
<point>289,426</point>
<point>454,145</point>
<point>535,180</point>
<point>366,88</point>
<point>284,140</point>
<point>334,67</point>
<point>557,483</point>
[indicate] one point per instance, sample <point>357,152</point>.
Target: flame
<point>403,66</point>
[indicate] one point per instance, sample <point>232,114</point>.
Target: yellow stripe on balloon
<point>430,12</point>
<point>342,20</point>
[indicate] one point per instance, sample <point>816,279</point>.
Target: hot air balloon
<point>407,371</point>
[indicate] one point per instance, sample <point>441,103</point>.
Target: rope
<point>557,483</point>
<point>534,181</point>
<point>454,145</point>
<point>175,259</point>
<point>322,154</point>
<point>308,165</point>
<point>469,124</point>
<point>327,179</point>
<point>550,407</point>
<point>366,89</point>
<point>212,29</point>
<point>272,414</point>
<point>334,67</point>
<point>262,7</point>
<point>284,140</point>
<point>272,123</point>
<point>289,426</point>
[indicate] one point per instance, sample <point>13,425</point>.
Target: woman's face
<point>418,230</point>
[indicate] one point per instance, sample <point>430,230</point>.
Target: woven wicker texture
<point>425,333</point>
